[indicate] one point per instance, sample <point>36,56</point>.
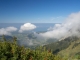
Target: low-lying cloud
<point>27,27</point>
<point>71,26</point>
<point>7,30</point>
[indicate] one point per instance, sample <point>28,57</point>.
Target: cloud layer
<point>7,30</point>
<point>71,26</point>
<point>27,27</point>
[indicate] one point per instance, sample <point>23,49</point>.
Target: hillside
<point>60,45</point>
<point>73,51</point>
<point>68,48</point>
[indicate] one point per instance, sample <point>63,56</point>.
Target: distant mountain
<point>7,37</point>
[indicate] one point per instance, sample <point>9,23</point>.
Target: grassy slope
<point>72,50</point>
<point>60,45</point>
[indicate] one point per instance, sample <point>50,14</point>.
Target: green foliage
<point>11,51</point>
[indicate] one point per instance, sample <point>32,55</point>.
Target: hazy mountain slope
<point>72,51</point>
<point>60,45</point>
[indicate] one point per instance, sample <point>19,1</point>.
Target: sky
<point>37,11</point>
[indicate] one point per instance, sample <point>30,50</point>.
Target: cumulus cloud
<point>7,30</point>
<point>71,26</point>
<point>27,27</point>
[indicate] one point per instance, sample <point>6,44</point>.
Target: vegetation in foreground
<point>12,51</point>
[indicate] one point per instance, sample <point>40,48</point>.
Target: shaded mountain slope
<point>73,51</point>
<point>61,45</point>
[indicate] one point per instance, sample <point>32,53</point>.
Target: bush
<point>11,51</point>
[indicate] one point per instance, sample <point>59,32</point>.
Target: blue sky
<point>37,11</point>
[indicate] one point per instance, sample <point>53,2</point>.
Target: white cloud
<point>7,30</point>
<point>27,27</point>
<point>70,27</point>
